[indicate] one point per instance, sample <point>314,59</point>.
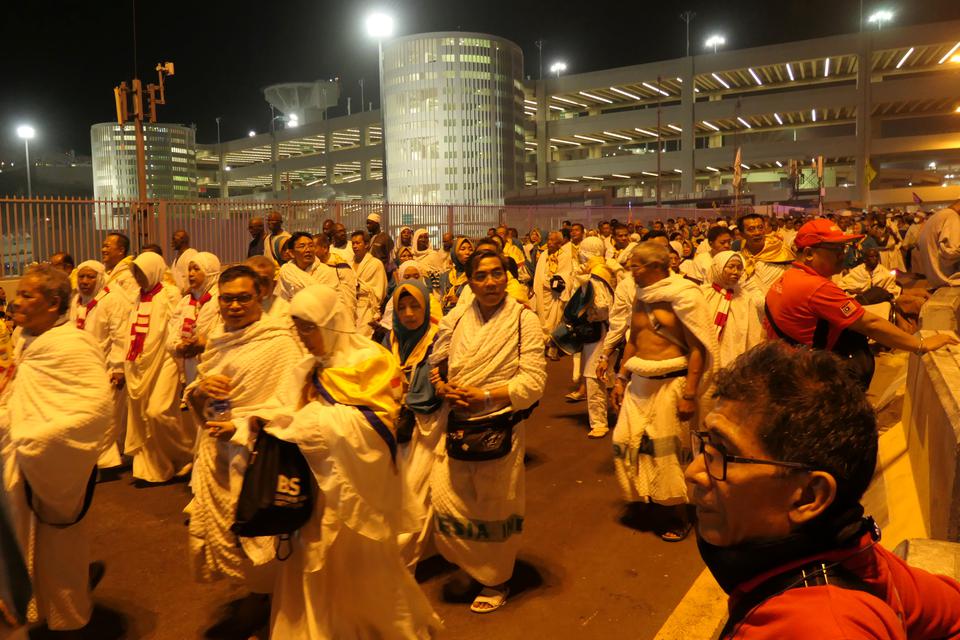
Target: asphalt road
<point>582,573</point>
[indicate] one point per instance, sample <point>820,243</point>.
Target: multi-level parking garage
<point>595,135</point>
<point>790,101</point>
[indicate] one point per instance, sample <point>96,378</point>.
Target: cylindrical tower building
<point>453,118</point>
<point>171,161</point>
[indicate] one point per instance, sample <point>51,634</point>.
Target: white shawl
<point>292,278</point>
<point>55,415</point>
<point>686,300</point>
<point>485,354</point>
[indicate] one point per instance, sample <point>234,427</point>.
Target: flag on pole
<point>916,198</point>
<point>737,174</point>
<point>869,173</point>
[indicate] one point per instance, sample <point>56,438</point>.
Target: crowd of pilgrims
<point>403,373</point>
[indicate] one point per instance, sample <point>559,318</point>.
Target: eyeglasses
<point>716,458</point>
<point>243,298</point>
<point>300,246</point>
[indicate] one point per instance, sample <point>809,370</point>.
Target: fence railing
<point>31,230</point>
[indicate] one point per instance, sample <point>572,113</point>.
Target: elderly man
<point>273,243</point>
<point>104,314</point>
<point>53,420</point>
<point>780,466</point>
<point>184,253</point>
<point>806,308</point>
<point>116,257</point>
<point>938,248</point>
<point>300,272</point>
<point>765,257</point>
<point>667,364</point>
<point>371,283</point>
<point>256,237</point>
<point>237,376</point>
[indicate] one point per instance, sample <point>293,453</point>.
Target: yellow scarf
<point>375,383</point>
<point>773,251</point>
<point>597,266</point>
<point>553,262</point>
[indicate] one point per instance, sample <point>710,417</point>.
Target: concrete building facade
<point>453,118</point>
<point>171,166</point>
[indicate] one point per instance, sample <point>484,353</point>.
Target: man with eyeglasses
<point>806,308</point>
<point>236,376</point>
<point>780,465</point>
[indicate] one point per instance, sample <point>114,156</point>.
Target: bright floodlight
<point>714,41</point>
<point>379,26</point>
<point>26,132</point>
<point>881,16</point>
<point>251,133</point>
<point>558,68</point>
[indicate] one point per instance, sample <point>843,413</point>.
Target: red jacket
<point>919,605</point>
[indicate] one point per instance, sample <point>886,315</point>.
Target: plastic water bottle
<point>218,410</point>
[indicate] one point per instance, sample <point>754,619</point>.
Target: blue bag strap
<point>378,425</point>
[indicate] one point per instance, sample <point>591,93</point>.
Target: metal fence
<point>31,230</point>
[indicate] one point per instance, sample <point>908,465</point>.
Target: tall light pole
<point>27,133</point>
<point>715,41</point>
<point>688,16</point>
<point>558,67</point>
<point>380,27</point>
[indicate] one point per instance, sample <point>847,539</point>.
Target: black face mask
<point>734,565</point>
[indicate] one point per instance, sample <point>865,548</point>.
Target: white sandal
<point>490,600</point>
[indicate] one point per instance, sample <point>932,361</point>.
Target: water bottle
<point>218,410</point>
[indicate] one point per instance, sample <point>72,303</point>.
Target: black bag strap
<point>813,574</point>
<point>820,332</point>
<point>87,500</point>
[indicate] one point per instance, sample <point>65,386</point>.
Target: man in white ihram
<point>54,415</point>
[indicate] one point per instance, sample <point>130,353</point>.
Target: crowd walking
<point>345,405</point>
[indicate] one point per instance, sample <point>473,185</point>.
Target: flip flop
<point>677,534</point>
<point>575,396</point>
<point>489,600</point>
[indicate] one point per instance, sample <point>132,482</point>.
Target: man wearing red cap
<point>805,308</point>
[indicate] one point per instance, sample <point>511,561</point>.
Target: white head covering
<point>375,217</point>
<point>677,246</point>
<point>100,270</point>
<point>416,236</point>
<point>719,262</point>
<point>591,247</point>
<point>321,305</point>
<point>409,264</point>
<point>153,267</point>
<point>210,265</point>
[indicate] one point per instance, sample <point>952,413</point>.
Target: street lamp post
<point>715,41</point>
<point>26,132</point>
<point>558,67</point>
<point>380,26</point>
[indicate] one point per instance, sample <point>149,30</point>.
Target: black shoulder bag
<point>276,497</point>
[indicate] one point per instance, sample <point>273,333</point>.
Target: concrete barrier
<point>931,419</point>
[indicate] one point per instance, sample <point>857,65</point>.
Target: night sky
<point>61,59</point>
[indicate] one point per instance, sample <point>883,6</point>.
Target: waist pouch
<point>484,439</point>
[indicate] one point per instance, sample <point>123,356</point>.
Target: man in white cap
<point>381,244</point>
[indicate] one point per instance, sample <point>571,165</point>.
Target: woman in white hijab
<point>737,314</point>
<point>195,314</point>
<point>345,577</point>
<point>156,437</point>
<point>104,314</point>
